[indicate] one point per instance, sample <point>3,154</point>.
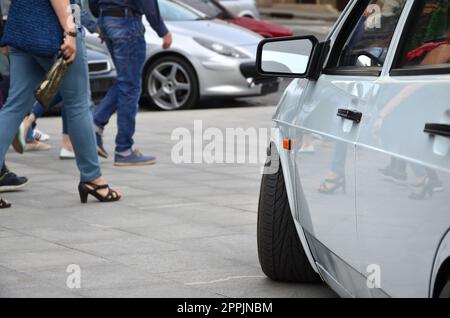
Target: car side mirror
<point>293,57</point>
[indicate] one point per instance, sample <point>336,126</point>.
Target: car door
<point>326,130</point>
<point>403,159</point>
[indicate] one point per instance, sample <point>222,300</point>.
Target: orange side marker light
<point>287,144</point>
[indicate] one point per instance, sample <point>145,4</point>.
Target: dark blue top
<point>148,7</point>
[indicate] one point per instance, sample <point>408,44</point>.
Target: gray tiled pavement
<point>181,230</point>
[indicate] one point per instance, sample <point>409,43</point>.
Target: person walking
<point>121,25</point>
<point>9,181</point>
<point>29,124</point>
<point>28,69</point>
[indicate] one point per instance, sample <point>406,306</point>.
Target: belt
<point>120,13</point>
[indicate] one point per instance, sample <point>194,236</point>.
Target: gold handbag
<point>49,87</point>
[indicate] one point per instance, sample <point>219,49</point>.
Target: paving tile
<point>162,290</point>
<point>105,276</point>
<point>173,261</point>
<point>40,260</point>
<point>36,290</point>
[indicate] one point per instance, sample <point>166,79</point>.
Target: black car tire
<point>281,254</point>
<point>188,71</point>
<point>445,292</point>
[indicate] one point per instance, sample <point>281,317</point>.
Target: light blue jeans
<point>27,71</point>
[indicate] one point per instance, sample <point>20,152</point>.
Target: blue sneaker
<point>100,149</point>
<point>9,181</point>
<point>136,158</point>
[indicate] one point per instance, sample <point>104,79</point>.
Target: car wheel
<point>171,83</point>
<point>280,251</point>
<point>445,292</point>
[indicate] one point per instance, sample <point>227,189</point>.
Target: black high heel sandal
<point>86,188</point>
<point>336,183</point>
<point>4,204</point>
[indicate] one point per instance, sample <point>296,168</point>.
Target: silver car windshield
<point>208,7</point>
<point>171,11</point>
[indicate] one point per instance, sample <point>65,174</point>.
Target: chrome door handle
<point>437,130</point>
<point>350,114</point>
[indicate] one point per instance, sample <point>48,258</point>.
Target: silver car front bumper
<point>224,77</point>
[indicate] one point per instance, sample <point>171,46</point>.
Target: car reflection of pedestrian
<point>123,32</point>
<point>432,53</point>
<point>335,179</point>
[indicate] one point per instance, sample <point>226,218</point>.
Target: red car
<point>214,9</point>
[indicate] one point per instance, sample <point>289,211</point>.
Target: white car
<point>242,8</point>
<point>357,188</point>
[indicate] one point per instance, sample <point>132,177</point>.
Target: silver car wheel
<point>169,85</point>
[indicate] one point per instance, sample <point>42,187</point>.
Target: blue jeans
<point>26,73</point>
<point>126,43</point>
<point>39,111</point>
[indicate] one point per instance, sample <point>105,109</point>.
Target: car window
<point>208,7</point>
<point>370,38</point>
<point>428,42</point>
<point>171,11</point>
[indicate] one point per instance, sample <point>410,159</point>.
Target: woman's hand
<point>69,48</point>
<point>64,12</point>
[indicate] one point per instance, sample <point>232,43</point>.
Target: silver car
<point>242,8</point>
<point>357,188</point>
<point>208,58</point>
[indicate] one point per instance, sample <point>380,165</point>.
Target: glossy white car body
<point>375,229</point>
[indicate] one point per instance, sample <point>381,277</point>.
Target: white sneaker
<point>66,154</point>
<point>40,136</point>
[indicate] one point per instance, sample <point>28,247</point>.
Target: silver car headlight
<point>221,49</point>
